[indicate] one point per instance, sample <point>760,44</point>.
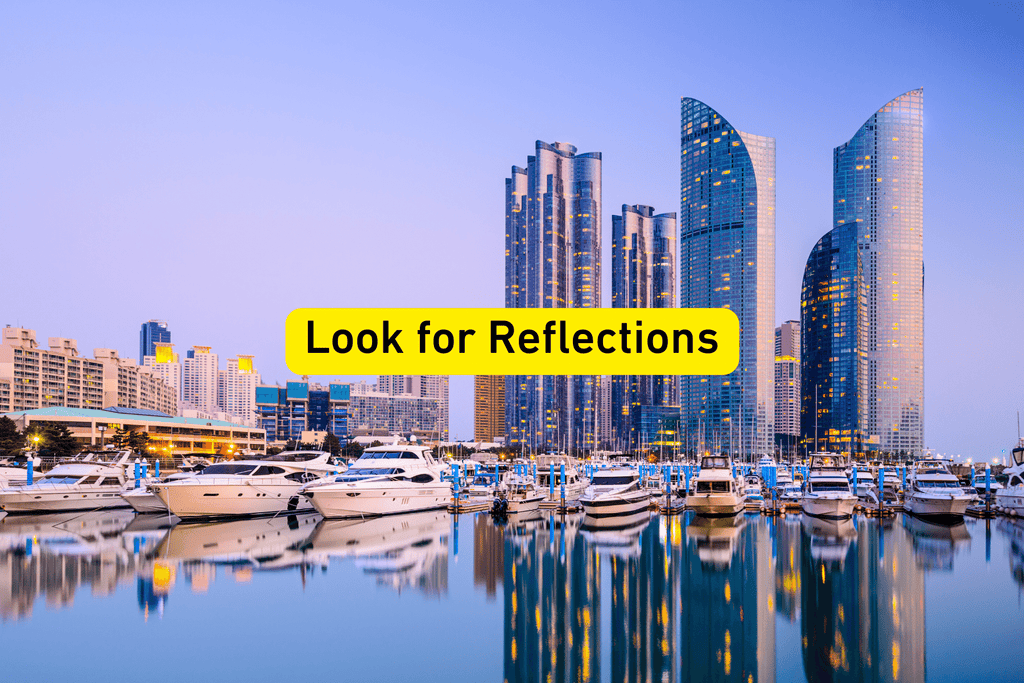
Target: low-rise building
<point>284,413</point>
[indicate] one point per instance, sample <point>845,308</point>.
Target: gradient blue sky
<point>218,165</point>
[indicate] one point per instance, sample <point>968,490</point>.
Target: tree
<point>11,440</point>
<point>352,450</point>
<point>121,439</point>
<point>332,444</point>
<point>54,440</point>
<point>138,442</point>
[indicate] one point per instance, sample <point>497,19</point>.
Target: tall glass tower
<point>862,302</point>
<point>644,262</point>
<point>153,332</point>
<point>553,260</point>
<point>727,260</point>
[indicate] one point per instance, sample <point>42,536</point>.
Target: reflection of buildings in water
<point>488,562</point>
<point>52,555</point>
<point>787,567</point>
<point>409,550</point>
<point>862,603</point>
<point>936,544</point>
<point>552,604</point>
<point>728,620</point>
<point>1014,529</point>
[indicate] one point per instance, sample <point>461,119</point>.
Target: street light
<point>102,430</point>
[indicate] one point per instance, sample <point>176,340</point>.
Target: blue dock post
<point>145,469</point>
<point>136,473</point>
<point>29,475</point>
<point>534,466</point>
<point>974,478</point>
<point>156,468</point>
<point>668,487</point>
<point>881,490</point>
<point>551,483</point>
<point>904,484</point>
<point>855,486</point>
<point>561,482</point>
<point>988,488</point>
<point>28,547</point>
<point>455,483</point>
<point>686,473</point>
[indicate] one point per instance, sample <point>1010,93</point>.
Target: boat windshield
<point>714,462</point>
<point>363,473</point>
<point>938,484</point>
<point>388,455</point>
<point>228,468</point>
<point>59,479</point>
<point>712,486</point>
<point>302,456</point>
<point>1018,455</point>
<point>617,480</point>
<point>821,487</point>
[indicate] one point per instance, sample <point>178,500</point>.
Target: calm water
<point>425,597</point>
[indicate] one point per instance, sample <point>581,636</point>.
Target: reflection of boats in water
<point>619,535</point>
<point>935,544</point>
<point>1014,529</point>
<point>399,550</point>
<point>264,543</point>
<point>830,539</point>
<point>67,533</point>
<point>716,538</point>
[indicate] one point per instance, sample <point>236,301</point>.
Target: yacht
<point>752,489</point>
<point>717,493</point>
<point>141,497</point>
<point>85,483</point>
<point>517,494</point>
<point>575,482</point>
<point>385,480</point>
<point>978,481</point>
<point>1011,497</point>
<point>614,491</point>
<point>933,491</point>
<point>865,486</point>
<point>765,462</point>
<point>827,490</point>
<point>239,488</point>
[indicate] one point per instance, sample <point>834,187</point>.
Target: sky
<point>218,165</point>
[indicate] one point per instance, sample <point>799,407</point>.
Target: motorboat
<point>141,497</point>
<point>978,481</point>
<point>15,473</point>
<point>1011,497</point>
<point>865,485</point>
<point>517,493</point>
<point>385,480</point>
<point>717,493</point>
<point>827,490</point>
<point>783,477</point>
<point>791,495</point>
<point>765,462</point>
<point>575,482</point>
<point>614,491</point>
<point>240,488</point>
<point>753,490</point>
<point>933,491</point>
<point>84,483</point>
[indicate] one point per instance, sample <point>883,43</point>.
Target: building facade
<point>284,413</point>
<point>553,260</point>
<point>862,300</point>
<point>489,407</point>
<point>787,388</point>
<point>164,364</point>
<point>644,262</point>
<point>727,260</point>
<point>199,379</point>
<point>153,332</point>
<point>236,389</point>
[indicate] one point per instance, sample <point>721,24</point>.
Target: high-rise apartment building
<point>644,262</point>
<point>164,364</point>
<point>152,333</point>
<point>862,301</point>
<point>236,389</point>
<point>553,260</point>
<point>727,260</point>
<point>787,388</point>
<point>199,379</point>
<point>421,386</point>
<point>488,407</point>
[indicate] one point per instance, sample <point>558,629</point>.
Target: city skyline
<point>294,147</point>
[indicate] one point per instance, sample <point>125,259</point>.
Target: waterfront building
<point>553,260</point>
<point>199,378</point>
<point>423,386</point>
<point>862,300</point>
<point>727,260</point>
<point>489,407</point>
<point>644,258</point>
<point>58,376</point>
<point>164,364</point>
<point>286,412</point>
<point>372,411</point>
<point>153,332</point>
<point>168,436</point>
<point>236,389</point>
<point>787,387</point>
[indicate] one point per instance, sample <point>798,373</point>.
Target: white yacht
<point>575,482</point>
<point>827,490</point>
<point>517,494</point>
<point>86,483</point>
<point>141,497</point>
<point>246,487</point>
<point>717,492</point>
<point>933,491</point>
<point>614,491</point>
<point>1010,498</point>
<point>866,486</point>
<point>978,482</point>
<point>385,480</point>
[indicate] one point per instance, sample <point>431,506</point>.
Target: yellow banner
<point>512,341</point>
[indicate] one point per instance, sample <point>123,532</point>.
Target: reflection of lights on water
<point>728,593</point>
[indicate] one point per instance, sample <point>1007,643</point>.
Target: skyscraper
<point>165,365</point>
<point>199,379</point>
<point>153,331</point>
<point>236,389</point>
<point>488,407</point>
<point>787,387</point>
<point>553,260</point>
<point>727,260</point>
<point>644,258</point>
<point>862,301</point>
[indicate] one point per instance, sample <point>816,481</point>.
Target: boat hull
<point>14,501</point>
<point>716,505</point>
<point>340,503</point>
<point>1011,498</point>
<point>144,501</point>
<point>828,508</point>
<point>614,505</point>
<point>215,501</point>
<point>935,507</point>
<point>517,505</point>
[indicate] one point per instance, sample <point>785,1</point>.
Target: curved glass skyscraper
<point>862,302</point>
<point>727,260</point>
<point>553,260</point>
